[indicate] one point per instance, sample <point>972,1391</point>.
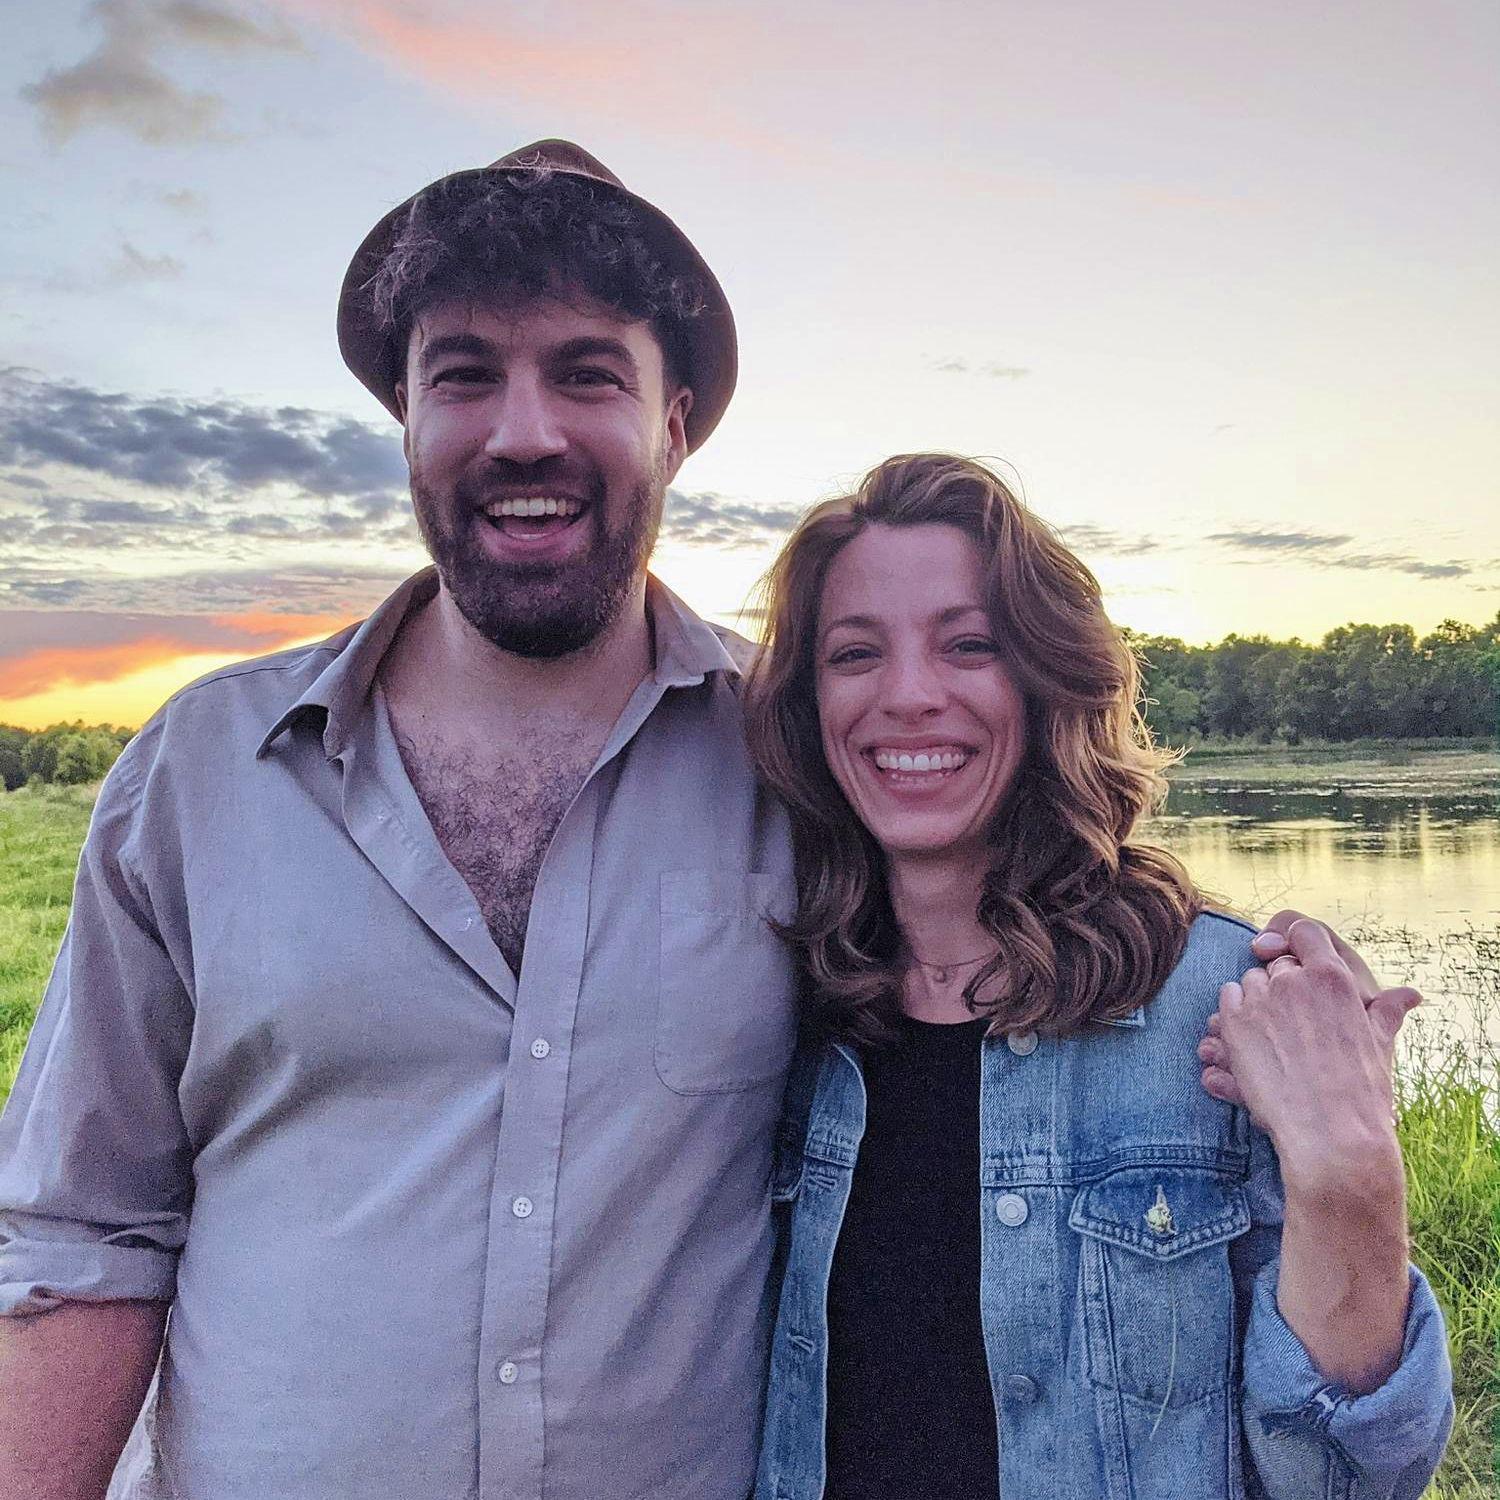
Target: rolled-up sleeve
<point>1309,1438</point>
<point>95,1164</point>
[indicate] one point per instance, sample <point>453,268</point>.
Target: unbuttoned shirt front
<point>428,1232</point>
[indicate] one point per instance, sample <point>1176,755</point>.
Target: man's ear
<point>677,411</point>
<point>401,412</point>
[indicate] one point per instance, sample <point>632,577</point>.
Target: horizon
<point>1213,284</point>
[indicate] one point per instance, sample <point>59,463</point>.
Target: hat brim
<point>710,342</point>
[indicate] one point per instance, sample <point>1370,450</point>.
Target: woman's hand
<point>1314,1065</point>
<point>1271,943</point>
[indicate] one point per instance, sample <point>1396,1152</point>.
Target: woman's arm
<point>1315,1069</point>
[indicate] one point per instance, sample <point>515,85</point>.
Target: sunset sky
<point>1216,280</point>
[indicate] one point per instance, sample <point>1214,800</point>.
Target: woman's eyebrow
<point>850,622</point>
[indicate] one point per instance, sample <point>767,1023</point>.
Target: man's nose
<point>524,426</point>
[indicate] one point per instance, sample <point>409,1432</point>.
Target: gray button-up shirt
<point>429,1232</point>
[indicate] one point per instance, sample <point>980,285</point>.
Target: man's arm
<point>96,1172</point>
<point>74,1379</point>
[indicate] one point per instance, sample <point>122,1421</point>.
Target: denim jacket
<point>1130,1228</point>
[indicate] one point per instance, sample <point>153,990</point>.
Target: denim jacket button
<point>1022,1043</point>
<point>1011,1210</point>
<point>1021,1388</point>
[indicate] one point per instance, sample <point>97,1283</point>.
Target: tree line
<point>1358,682</point>
<point>60,755</point>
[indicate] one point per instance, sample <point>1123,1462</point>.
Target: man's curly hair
<point>513,237</point>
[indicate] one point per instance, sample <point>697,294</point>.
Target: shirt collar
<point>687,651</point>
<point>340,691</point>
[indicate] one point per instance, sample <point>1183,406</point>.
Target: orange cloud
<point>148,641</point>
<point>679,66</point>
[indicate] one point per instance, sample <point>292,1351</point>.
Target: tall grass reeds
<point>1448,1108</point>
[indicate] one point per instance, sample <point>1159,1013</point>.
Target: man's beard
<point>541,610</point>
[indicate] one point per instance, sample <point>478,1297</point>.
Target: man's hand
<point>1273,942</point>
<point>1314,1061</point>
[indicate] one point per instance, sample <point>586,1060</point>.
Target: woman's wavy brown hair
<point>1089,921</point>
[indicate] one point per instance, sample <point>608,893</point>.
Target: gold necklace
<point>941,973</point>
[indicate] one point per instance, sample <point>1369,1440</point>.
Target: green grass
<point>41,830</point>
<point>1449,1101</point>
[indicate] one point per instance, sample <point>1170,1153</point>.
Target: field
<point>1449,1103</point>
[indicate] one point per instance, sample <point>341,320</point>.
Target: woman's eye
<point>847,656</point>
<point>975,645</point>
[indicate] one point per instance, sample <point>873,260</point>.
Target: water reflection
<point>1401,867</point>
<point>1430,864</point>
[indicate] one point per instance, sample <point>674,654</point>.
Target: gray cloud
<point>183,201</point>
<point>204,447</point>
<point>1324,550</point>
<point>121,83</point>
<point>131,267</point>
<point>1395,562</point>
<point>311,588</point>
<point>991,368</point>
<point>1095,539</point>
<point>1279,541</point>
<point>709,520</point>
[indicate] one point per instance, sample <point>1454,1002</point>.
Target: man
<point>424,971</point>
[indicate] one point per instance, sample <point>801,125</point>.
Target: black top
<point>909,1405</point>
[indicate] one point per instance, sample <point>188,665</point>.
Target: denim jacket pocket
<point>1154,1284</point>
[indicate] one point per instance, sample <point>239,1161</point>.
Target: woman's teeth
<point>921,760</point>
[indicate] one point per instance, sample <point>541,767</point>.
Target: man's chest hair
<point>495,817</point>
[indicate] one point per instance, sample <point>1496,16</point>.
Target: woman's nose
<point>913,686</point>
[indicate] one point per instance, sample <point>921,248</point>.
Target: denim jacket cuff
<point>1378,1435</point>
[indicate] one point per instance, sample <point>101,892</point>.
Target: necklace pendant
<point>940,976</point>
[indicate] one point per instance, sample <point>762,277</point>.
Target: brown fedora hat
<point>712,352</point>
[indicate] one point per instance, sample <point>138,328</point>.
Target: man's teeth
<point>534,505</point>
<point>932,760</point>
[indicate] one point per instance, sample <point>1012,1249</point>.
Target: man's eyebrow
<point>593,346</point>
<point>455,343</point>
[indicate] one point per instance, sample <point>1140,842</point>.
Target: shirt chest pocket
<point>1157,1297</point>
<point>725,1016</point>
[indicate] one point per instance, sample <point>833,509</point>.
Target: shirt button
<point>507,1373</point>
<point>540,1047</point>
<point>1021,1388</point>
<point>1022,1043</point>
<point>521,1208</point>
<point>1011,1210</point>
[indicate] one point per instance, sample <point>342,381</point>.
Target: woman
<point>1026,1253</point>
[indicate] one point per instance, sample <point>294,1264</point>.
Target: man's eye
<point>592,378</point>
<point>462,375</point>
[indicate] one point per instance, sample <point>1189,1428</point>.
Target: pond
<point>1402,856</point>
